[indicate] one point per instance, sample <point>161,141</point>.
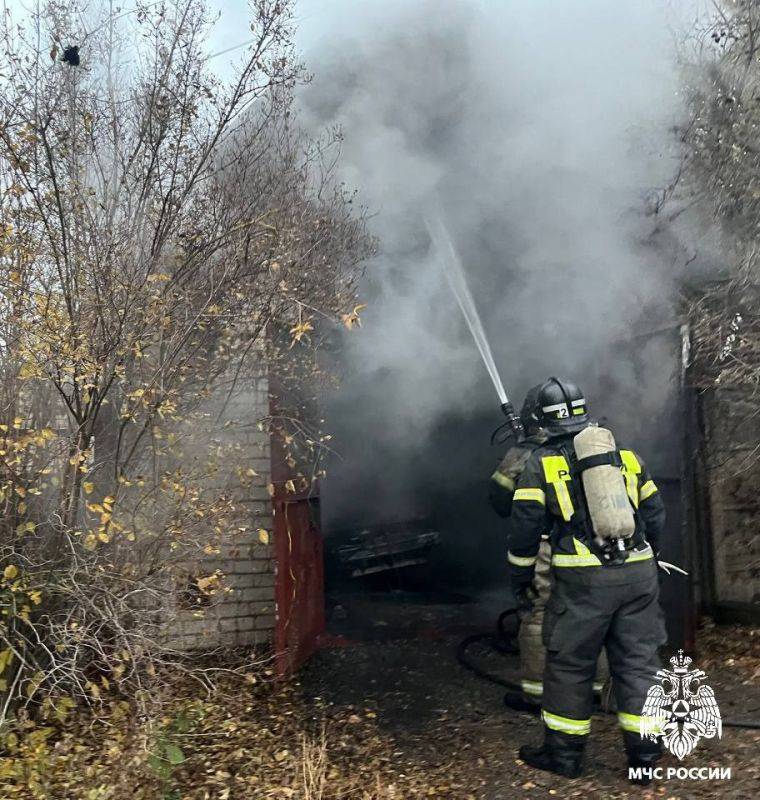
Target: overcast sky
<point>316,19</point>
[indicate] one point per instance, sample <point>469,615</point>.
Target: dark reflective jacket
<point>548,497</point>
<point>504,479</point>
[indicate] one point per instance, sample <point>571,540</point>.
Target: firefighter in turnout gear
<point>503,484</point>
<point>604,592</point>
<point>504,479</point>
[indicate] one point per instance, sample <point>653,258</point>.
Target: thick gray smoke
<point>538,129</point>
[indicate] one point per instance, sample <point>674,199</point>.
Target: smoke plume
<point>537,130</point>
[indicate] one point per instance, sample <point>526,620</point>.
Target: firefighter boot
<point>643,754</point>
<point>560,753</point>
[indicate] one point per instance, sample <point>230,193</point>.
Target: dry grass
<point>312,769</point>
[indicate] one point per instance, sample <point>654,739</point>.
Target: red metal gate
<point>299,587</point>
<point>298,549</point>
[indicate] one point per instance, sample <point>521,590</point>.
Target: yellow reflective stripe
<point>630,461</point>
<point>647,490</point>
<point>503,480</point>
<point>629,722</point>
<point>521,561</point>
<point>578,411</point>
<point>566,560</point>
<point>535,688</point>
<point>536,495</point>
<point>557,473</point>
<point>577,727</point>
<point>590,560</point>
<point>632,722</point>
<point>631,471</point>
<point>581,548</point>
<point>640,555</point>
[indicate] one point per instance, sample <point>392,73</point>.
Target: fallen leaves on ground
<point>252,739</point>
<point>734,647</point>
<point>258,741</point>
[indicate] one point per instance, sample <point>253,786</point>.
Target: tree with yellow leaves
<point>162,234</point>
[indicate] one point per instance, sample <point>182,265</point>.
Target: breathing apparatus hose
<point>505,643</point>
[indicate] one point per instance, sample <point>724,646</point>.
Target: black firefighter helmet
<point>562,407</point>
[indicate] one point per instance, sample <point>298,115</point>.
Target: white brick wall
<point>245,615</point>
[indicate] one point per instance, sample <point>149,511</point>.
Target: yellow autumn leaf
<point>10,572</point>
<point>263,536</point>
<point>300,331</point>
<point>35,596</point>
<point>25,527</point>
<point>208,584</point>
<point>88,487</point>
<point>290,486</point>
<point>28,371</point>
<point>90,542</point>
<point>352,319</point>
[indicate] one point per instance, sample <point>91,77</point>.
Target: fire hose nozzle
<point>512,428</point>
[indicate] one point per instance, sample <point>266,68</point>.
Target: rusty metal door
<point>299,586</point>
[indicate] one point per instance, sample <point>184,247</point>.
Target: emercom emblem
<point>681,708</point>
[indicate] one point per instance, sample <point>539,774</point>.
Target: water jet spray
<point>452,267</point>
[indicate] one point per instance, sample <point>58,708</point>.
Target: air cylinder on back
<point>604,486</point>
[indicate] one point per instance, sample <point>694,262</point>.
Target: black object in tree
<point>71,56</point>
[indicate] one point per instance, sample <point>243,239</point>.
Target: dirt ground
<point>382,712</point>
<point>393,658</point>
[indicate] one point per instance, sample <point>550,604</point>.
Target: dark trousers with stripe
<point>591,608</point>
